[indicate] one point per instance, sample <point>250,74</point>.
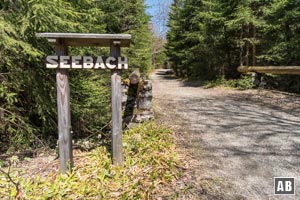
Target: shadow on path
<point>235,137</point>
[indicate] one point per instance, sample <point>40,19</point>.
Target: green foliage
<point>211,38</point>
<point>27,90</point>
<point>159,57</point>
<point>128,16</point>
<point>243,83</point>
<point>288,83</point>
<point>91,102</point>
<point>150,162</point>
<point>14,75</point>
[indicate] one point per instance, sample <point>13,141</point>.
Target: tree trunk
<point>288,31</point>
<point>254,47</point>
<point>247,45</point>
<point>241,47</point>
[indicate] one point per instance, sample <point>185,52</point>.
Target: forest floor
<point>234,142</point>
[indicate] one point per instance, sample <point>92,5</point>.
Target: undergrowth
<point>245,82</point>
<point>150,163</point>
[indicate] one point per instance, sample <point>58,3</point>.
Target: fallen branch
<point>16,184</point>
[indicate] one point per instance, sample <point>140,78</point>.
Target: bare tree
<point>160,10</point>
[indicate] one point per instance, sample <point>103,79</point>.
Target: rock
<point>128,119</point>
<point>147,85</point>
<point>139,98</point>
<point>145,104</point>
<point>143,116</point>
<point>124,93</point>
<point>145,100</point>
<point>132,125</point>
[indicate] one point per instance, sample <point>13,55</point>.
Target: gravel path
<point>240,139</point>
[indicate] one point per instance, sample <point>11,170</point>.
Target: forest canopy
<point>211,38</point>
<point>27,89</point>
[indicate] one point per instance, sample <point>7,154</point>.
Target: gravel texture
<point>239,140</point>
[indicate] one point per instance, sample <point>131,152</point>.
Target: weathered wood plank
<point>271,69</point>
<point>86,39</point>
<point>64,115</point>
<point>116,103</point>
<point>85,35</point>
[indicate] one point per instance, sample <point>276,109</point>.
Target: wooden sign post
<point>62,62</point>
<point>64,114</point>
<point>116,101</point>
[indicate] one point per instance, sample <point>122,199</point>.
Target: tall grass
<point>150,164</point>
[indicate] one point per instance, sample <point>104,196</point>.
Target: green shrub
<point>245,82</point>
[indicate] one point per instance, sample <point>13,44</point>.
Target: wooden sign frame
<point>61,41</point>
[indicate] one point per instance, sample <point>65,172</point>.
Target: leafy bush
<point>245,82</point>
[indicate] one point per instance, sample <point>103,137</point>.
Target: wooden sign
<point>86,62</point>
<point>62,62</point>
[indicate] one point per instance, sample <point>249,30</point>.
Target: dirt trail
<point>241,139</point>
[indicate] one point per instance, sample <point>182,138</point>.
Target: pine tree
<point>175,37</point>
<point>128,16</point>
<point>27,90</point>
